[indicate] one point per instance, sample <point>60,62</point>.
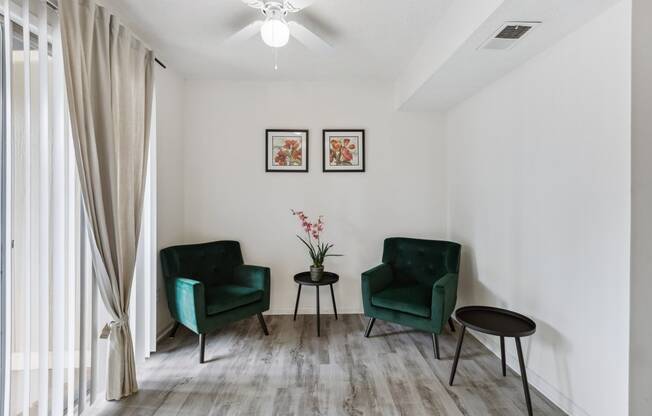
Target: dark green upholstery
<point>405,297</point>
<point>415,286</point>
<point>208,286</point>
<point>226,297</point>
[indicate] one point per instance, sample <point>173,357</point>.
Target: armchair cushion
<point>404,296</point>
<point>226,297</point>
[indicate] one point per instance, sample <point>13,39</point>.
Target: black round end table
<point>327,279</point>
<point>499,322</point>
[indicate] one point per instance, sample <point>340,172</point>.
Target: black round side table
<point>499,322</point>
<point>327,279</point>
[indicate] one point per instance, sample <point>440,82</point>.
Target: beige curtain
<point>109,80</point>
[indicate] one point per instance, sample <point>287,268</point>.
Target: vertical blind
<point>55,362</point>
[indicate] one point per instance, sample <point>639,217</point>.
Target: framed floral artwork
<point>344,151</point>
<point>286,150</point>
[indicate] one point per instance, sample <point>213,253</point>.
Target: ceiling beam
<point>448,34</point>
<point>450,66</point>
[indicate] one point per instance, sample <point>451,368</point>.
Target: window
<point>52,314</point>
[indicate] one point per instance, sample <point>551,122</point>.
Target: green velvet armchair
<point>415,286</point>
<point>208,287</point>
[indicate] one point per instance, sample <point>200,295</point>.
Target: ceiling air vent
<point>508,34</point>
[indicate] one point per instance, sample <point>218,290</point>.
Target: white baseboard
<point>164,332</point>
<point>538,382</point>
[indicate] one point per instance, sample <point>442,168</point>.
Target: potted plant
<point>317,250</point>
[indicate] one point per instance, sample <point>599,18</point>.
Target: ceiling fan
<point>275,30</point>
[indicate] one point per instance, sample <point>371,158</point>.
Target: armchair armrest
<point>376,279</point>
<point>187,301</point>
<point>444,297</point>
<point>252,276</point>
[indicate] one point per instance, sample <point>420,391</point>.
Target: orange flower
<point>281,158</point>
<point>291,144</point>
<point>346,154</point>
<point>341,151</point>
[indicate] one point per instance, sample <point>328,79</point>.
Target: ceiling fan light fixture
<point>275,32</point>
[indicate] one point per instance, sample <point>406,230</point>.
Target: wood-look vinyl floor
<point>293,372</point>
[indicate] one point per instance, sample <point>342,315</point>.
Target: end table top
<point>328,278</point>
<point>495,321</point>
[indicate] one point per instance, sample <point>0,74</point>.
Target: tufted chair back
<point>210,263</point>
<point>425,261</point>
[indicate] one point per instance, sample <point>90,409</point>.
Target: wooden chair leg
<point>435,345</point>
<point>262,323</point>
<point>202,345</point>
<point>369,326</point>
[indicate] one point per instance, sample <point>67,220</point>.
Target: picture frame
<point>286,150</point>
<point>343,150</point>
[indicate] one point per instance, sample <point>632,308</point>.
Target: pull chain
<point>275,59</point>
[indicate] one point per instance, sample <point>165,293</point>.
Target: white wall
<point>538,188</point>
<point>228,195</point>
<point>640,378</point>
<point>170,162</point>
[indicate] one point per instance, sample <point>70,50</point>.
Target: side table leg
<point>502,355</point>
<point>526,387</point>
<point>457,354</point>
<point>317,287</point>
<point>296,306</point>
<point>334,305</point>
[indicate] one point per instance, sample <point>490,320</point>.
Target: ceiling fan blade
<point>245,33</point>
<point>308,38</point>
<point>256,4</point>
<point>325,27</point>
<point>296,5</point>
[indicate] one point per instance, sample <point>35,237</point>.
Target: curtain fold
<point>109,80</point>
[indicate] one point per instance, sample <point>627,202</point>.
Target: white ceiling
<point>442,74</point>
<point>371,39</point>
<point>427,48</point>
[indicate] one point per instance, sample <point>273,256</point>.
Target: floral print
<point>287,152</point>
<point>343,151</point>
